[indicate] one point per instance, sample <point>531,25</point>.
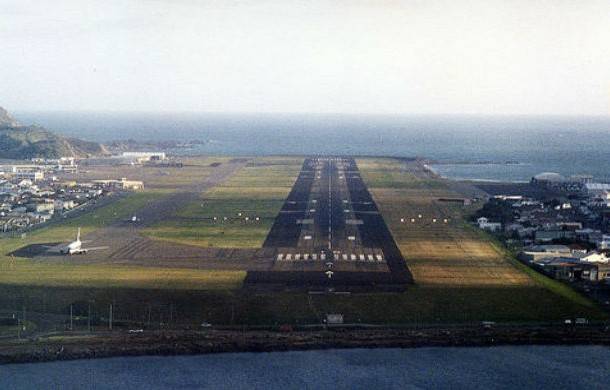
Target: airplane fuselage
<point>73,248</point>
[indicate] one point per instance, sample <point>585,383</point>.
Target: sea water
<point>509,367</point>
<point>512,148</point>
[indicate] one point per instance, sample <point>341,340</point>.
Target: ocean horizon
<point>474,147</point>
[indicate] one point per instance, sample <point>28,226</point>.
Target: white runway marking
<point>330,214</point>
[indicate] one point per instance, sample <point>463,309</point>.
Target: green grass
<point>216,236</point>
<point>216,296</point>
<point>32,273</point>
<point>195,225</point>
<point>400,180</point>
<point>229,305</point>
<point>544,281</point>
<point>258,190</point>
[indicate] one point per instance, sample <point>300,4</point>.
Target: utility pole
<point>22,325</point>
<point>171,313</point>
<point>110,317</point>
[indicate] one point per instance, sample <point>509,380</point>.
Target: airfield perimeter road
<point>330,234</point>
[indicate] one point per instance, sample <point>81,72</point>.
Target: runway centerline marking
<point>330,214</point>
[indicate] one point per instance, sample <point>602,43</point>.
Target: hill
<point>25,142</point>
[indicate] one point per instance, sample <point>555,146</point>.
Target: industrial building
<point>123,183</point>
<point>141,157</point>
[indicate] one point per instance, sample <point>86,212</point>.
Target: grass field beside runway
<point>21,271</point>
<point>454,264</point>
<point>166,179</point>
<point>256,191</point>
<point>391,174</point>
<point>25,272</point>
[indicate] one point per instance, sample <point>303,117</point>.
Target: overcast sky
<point>411,57</point>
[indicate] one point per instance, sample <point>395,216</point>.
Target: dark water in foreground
<point>523,367</point>
<point>568,145</point>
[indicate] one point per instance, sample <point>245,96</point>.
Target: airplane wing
<point>95,248</point>
<point>54,248</point>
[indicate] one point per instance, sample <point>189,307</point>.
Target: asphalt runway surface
<point>330,235</point>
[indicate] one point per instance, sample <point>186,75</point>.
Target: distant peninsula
<point>25,142</point>
<point>132,145</point>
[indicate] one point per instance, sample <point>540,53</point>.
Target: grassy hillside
<point>25,142</point>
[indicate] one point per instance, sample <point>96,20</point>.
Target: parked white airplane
<point>76,247</point>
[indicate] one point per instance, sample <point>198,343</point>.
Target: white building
<point>548,178</point>
<point>61,204</point>
<point>123,183</point>
<point>144,156</point>
<point>595,257</point>
<point>34,176</point>
<point>597,189</point>
<point>41,207</point>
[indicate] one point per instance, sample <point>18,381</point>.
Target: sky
<point>485,57</point>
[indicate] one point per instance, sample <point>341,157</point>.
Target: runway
<point>330,234</point>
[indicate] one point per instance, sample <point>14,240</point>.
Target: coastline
<point>66,346</point>
<point>433,169</point>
